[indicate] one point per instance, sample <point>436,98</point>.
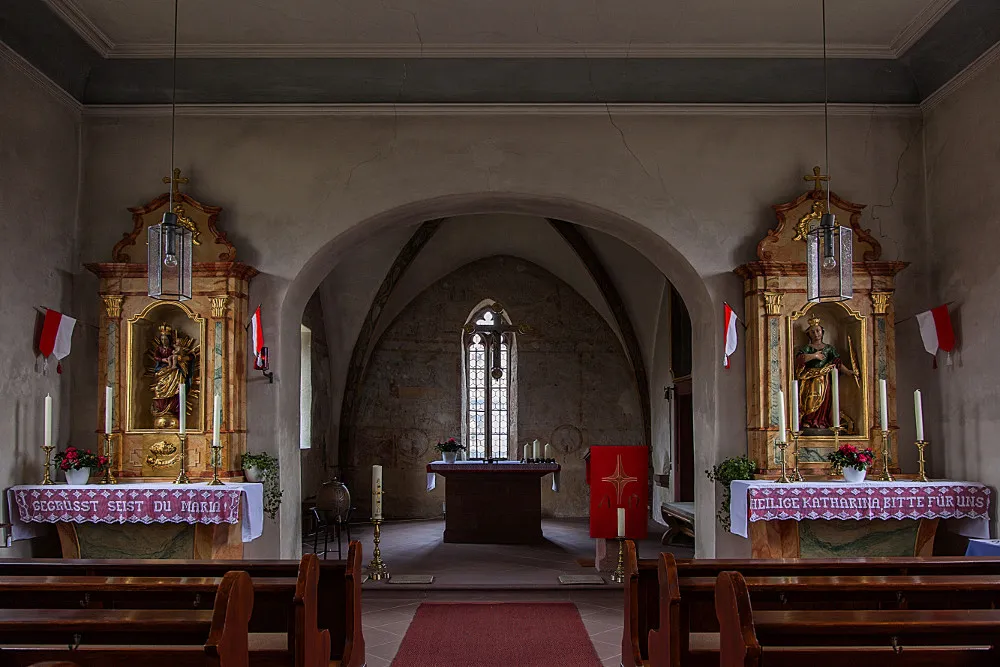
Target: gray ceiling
<point>33,30</point>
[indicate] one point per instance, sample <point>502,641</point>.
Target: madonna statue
<point>173,359</point>
<point>814,364</point>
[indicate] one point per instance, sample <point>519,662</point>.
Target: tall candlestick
<point>621,522</point>
<point>836,395</point>
<point>48,420</point>
<point>782,425</point>
<point>550,454</point>
<point>182,408</point>
<point>795,406</point>
<point>109,402</point>
<point>216,419</point>
<point>883,405</point>
<point>377,492</point>
<point>918,411</point>
<point>536,450</point>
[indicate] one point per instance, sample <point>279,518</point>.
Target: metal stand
<point>377,571</point>
<point>47,470</point>
<point>109,477</point>
<point>216,455</point>
<point>886,476</point>
<point>618,576</point>
<point>182,477</point>
<point>922,475</point>
<point>784,473</point>
<point>796,475</point>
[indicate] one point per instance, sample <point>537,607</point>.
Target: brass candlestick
<point>377,570</point>
<point>886,476</point>
<point>182,477</point>
<point>109,477</point>
<point>796,475</point>
<point>47,470</point>
<point>922,475</point>
<point>618,576</point>
<point>216,456</point>
<point>784,473</point>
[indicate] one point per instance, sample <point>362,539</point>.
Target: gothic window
<point>488,343</point>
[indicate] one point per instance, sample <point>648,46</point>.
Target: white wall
<point>962,149</point>
<point>39,150</point>
<point>691,192</point>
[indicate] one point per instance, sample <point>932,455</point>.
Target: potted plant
<point>449,449</point>
<point>851,462</point>
<point>263,468</point>
<point>80,465</point>
<point>735,467</point>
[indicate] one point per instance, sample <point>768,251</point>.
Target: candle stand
<point>784,472</point>
<point>922,475</point>
<point>47,470</point>
<point>618,576</point>
<point>377,570</point>
<point>886,476</point>
<point>182,477</point>
<point>216,456</point>
<point>796,474</point>
<point>109,477</point>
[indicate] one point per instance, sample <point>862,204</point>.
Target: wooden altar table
<point>493,503</point>
<point>159,520</point>
<point>838,519</point>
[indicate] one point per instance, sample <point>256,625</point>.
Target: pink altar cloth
<point>137,503</point>
<point>763,500</point>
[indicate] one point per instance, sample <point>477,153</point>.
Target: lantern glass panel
<point>829,264</point>
<point>169,260</point>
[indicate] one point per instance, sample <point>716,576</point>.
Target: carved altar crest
<point>210,244</point>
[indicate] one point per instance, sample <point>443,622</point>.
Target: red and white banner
<point>257,339</point>
<point>619,477</point>
<point>729,335</point>
<point>936,330</point>
<point>57,334</point>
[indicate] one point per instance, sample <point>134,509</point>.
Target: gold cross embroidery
<point>620,479</point>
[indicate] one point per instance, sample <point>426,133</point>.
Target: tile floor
<point>387,614</point>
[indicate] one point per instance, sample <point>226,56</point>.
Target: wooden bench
<point>943,638</point>
<point>120,637</point>
<point>338,603</point>
<point>658,618</point>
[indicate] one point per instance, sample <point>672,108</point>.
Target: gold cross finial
<point>178,180</point>
<point>817,178</point>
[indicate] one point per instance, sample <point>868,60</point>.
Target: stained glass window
<point>487,352</point>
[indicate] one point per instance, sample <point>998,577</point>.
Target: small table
<point>492,503</point>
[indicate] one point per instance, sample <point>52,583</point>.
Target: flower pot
<point>252,474</point>
<point>78,477</point>
<point>449,457</point>
<point>854,476</point>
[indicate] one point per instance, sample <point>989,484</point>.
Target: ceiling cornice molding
<point>46,84</point>
<point>75,18</point>
<point>919,26</point>
<point>981,63</point>
<point>863,51</point>
<point>395,110</point>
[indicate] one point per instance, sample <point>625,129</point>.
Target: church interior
<point>365,333</point>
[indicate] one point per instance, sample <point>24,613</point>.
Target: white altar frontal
<point>824,519</point>
<point>148,520</point>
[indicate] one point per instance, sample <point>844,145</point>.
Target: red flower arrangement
<point>75,459</point>
<point>849,456</point>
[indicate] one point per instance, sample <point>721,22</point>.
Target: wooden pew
<point>651,596</point>
<point>943,638</point>
<point>120,638</point>
<point>338,604</point>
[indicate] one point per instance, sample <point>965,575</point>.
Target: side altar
<point>836,361</point>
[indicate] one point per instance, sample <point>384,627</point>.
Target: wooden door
<point>683,441</point>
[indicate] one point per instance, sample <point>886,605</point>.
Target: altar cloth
<point>435,467</point>
<point>766,500</point>
<point>234,502</point>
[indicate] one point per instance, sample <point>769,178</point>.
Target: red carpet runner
<point>495,634</point>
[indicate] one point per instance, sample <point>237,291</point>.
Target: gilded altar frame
<point>218,310</point>
<point>775,305</point>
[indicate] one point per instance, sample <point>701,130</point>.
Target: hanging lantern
<point>169,259</point>
<point>829,262</point>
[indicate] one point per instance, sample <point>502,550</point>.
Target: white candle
<point>109,402</point>
<point>795,406</point>
<point>918,411</point>
<point>782,425</point>
<point>216,420</point>
<point>48,419</point>
<point>527,451</point>
<point>883,405</point>
<point>621,522</point>
<point>536,450</point>
<point>377,492</point>
<point>836,396</point>
<point>550,453</point>
<point>182,409</point>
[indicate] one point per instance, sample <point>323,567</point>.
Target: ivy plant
<point>735,467</point>
<point>267,465</point>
